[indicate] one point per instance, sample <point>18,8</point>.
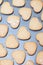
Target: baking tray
<point>14,31</point>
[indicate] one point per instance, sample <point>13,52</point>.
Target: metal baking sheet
<point>14,31</point>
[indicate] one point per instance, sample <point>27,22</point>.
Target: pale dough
<point>3,51</point>
<point>3,30</point>
<point>18,3</point>
<point>11,42</point>
<point>35,24</point>
<point>19,56</point>
<point>14,21</point>
<point>36,5</point>
<point>39,37</point>
<point>6,8</point>
<point>30,47</point>
<point>23,33</point>
<point>39,58</point>
<point>25,13</point>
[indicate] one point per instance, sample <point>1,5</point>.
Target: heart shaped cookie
<point>11,42</point>
<point>6,62</point>
<point>6,8</point>
<point>30,47</point>
<point>25,13</point>
<point>36,5</point>
<point>23,33</point>
<point>19,56</point>
<point>35,24</point>
<point>14,21</point>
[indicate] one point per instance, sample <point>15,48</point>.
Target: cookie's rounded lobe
<point>19,56</point>
<point>3,30</point>
<point>39,58</point>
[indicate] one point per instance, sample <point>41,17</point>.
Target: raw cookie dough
<point>25,13</point>
<point>6,62</point>
<point>0,18</point>
<point>11,42</point>
<point>23,33</point>
<point>3,51</point>
<point>35,24</point>
<point>29,62</point>
<point>14,21</point>
<point>3,30</point>
<point>6,8</point>
<point>39,37</point>
<point>39,58</point>
<point>18,3</point>
<point>30,47</point>
<point>42,16</point>
<point>36,5</point>
<point>19,56</point>
<point>1,2</point>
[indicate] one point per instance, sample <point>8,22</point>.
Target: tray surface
<point>14,31</point>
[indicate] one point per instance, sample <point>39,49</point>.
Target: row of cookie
<point>20,3</point>
<point>34,24</point>
<point>24,12</point>
<point>14,21</point>
<point>11,42</point>
<point>19,55</point>
<point>22,34</point>
<point>16,3</point>
<point>10,62</point>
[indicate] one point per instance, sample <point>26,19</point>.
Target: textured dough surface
<point>14,21</point>
<point>3,30</point>
<point>36,5</point>
<point>19,56</point>
<point>6,8</point>
<point>18,3</point>
<point>30,47</point>
<point>39,58</point>
<point>11,42</point>
<point>29,62</point>
<point>23,33</point>
<point>3,51</point>
<point>39,37</point>
<point>35,24</point>
<point>25,13</point>
<point>6,62</point>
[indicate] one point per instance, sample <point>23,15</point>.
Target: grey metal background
<point>14,31</point>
